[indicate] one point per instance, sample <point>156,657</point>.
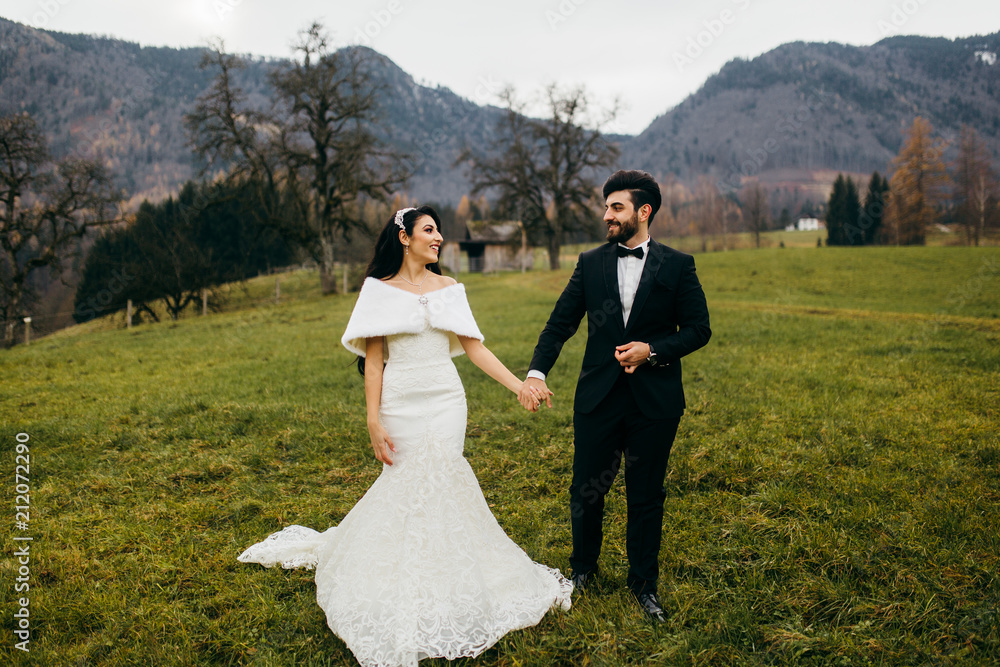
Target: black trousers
<point>616,435</point>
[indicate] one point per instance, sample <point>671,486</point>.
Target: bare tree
<point>315,153</point>
<point>674,195</point>
<point>226,132</point>
<point>45,210</point>
<point>542,169</point>
<point>677,199</point>
<point>755,204</point>
<point>732,219</point>
<point>975,185</point>
<point>709,211</point>
<point>463,214</point>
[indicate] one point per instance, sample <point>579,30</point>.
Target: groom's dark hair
<point>640,185</point>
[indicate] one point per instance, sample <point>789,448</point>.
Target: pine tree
<point>835,212</point>
<point>851,233</point>
<point>784,219</point>
<point>872,214</point>
<point>917,188</point>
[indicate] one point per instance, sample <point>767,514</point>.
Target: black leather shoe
<point>651,605</point>
<point>582,581</point>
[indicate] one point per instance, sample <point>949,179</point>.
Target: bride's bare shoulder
<point>443,281</point>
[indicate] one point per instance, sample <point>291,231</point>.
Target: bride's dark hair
<point>388,257</point>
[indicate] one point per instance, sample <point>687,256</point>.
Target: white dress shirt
<point>629,272</point>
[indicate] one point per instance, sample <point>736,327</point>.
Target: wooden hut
<point>495,246</point>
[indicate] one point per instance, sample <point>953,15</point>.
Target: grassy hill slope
<point>832,498</point>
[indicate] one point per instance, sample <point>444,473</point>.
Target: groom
<point>645,310</point>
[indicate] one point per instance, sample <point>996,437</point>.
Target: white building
<point>804,225</point>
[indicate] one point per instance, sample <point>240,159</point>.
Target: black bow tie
<point>635,252</point>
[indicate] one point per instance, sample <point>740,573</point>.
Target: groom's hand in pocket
<point>533,392</point>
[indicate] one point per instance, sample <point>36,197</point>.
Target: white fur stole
<point>383,310</point>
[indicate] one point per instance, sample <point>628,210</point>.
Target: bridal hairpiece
<point>399,217</point>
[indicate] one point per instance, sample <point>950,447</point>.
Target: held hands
<point>631,355</point>
<point>533,392</point>
<point>381,442</point>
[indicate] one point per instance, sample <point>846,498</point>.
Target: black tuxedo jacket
<point>669,312</point>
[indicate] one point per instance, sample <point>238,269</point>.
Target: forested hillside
<point>800,112</point>
<point>804,109</point>
<point>96,96</point>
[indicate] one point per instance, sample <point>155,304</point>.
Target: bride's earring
<point>406,250</point>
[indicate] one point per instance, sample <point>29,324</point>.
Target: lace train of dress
<point>420,567</point>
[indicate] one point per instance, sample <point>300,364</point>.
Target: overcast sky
<point>649,53</point>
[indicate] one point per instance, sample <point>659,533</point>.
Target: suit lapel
<point>649,269</point>
<point>611,282</point>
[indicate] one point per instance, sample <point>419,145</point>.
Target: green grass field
<point>833,498</point>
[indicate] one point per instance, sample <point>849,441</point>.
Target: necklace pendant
<point>422,300</point>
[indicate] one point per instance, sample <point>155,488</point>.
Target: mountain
<point>804,111</point>
<point>96,96</point>
<point>434,124</point>
<point>99,97</point>
<point>794,116</point>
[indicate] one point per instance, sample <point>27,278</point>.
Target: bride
<point>419,567</point>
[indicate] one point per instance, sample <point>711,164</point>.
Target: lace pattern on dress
<point>420,567</point>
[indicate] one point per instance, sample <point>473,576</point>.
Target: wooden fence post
<point>524,247</point>
<point>27,331</point>
<point>277,289</point>
<point>128,315</point>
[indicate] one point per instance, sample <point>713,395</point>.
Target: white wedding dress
<point>419,567</point>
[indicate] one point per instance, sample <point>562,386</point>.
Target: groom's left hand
<point>632,355</point>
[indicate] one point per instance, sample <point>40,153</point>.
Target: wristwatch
<point>652,357</point>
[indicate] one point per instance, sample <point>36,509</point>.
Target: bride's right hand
<point>381,443</point>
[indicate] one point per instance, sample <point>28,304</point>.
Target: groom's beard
<point>625,231</point>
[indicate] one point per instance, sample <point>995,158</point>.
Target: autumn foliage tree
<point>919,185</point>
